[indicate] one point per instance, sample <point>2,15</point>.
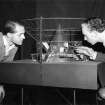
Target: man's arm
<point>96,56</point>
<point>100,57</point>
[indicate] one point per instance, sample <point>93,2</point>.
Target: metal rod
<point>63,97</point>
<point>38,18</point>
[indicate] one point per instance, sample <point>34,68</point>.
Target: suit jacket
<point>100,57</point>
<point>101,69</point>
<point>11,54</point>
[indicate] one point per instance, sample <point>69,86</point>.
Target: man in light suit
<point>93,30</point>
<point>13,35</point>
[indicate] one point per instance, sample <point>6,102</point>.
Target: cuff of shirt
<point>93,56</point>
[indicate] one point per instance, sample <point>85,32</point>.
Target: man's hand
<point>2,92</point>
<point>86,51</point>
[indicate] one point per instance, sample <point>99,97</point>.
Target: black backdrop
<point>51,8</point>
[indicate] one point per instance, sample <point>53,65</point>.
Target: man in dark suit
<point>13,35</point>
<point>93,30</point>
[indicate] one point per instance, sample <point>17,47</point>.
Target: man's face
<point>18,36</point>
<point>89,35</point>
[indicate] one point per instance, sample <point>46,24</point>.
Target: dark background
<point>21,9</point>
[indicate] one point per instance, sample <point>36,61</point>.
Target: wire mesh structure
<point>54,35</point>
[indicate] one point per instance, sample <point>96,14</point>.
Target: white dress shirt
<point>8,46</point>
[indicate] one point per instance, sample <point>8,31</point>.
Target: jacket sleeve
<point>100,57</point>
<point>2,48</point>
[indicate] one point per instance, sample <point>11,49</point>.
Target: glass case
<point>56,39</point>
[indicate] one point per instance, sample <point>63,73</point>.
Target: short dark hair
<point>10,26</point>
<point>95,23</point>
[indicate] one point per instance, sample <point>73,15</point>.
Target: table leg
<point>74,92</point>
<point>22,96</point>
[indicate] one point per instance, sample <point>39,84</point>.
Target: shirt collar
<point>6,42</point>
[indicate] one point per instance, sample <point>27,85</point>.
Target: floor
<point>49,96</point>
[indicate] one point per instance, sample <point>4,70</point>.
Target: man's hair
<point>96,24</point>
<point>10,27</point>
